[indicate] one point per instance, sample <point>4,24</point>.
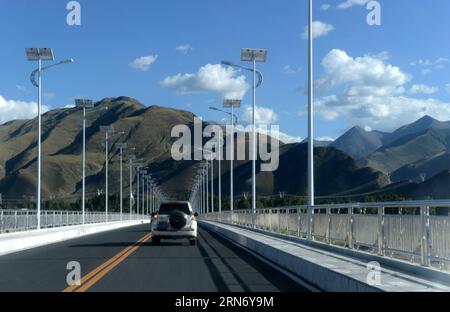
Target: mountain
<point>397,153</point>
<point>424,123</point>
<point>149,130</point>
<point>433,188</point>
<point>359,143</point>
<point>146,128</point>
<point>318,143</point>
<point>412,148</point>
<point>423,169</point>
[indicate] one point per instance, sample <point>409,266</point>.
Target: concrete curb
<point>14,242</point>
<point>325,270</point>
<point>428,273</point>
<point>320,277</point>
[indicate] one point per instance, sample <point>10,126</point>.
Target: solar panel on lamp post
<point>254,56</point>
<point>39,55</point>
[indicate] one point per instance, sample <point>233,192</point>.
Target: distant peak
<point>357,129</point>
<point>427,117</point>
<point>125,99</point>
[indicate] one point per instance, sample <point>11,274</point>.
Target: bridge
<point>347,247</point>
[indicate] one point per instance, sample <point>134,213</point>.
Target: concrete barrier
<point>14,242</point>
<point>323,269</point>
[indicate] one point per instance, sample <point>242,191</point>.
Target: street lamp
<point>84,104</point>
<point>108,130</point>
<point>121,147</point>
<point>253,55</point>
<point>138,168</point>
<point>40,55</point>
<point>130,164</point>
<point>310,122</point>
<point>232,104</point>
<point>143,174</point>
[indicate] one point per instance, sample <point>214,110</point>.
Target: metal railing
<point>25,220</point>
<point>403,230</point>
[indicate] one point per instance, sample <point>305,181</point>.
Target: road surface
<point>125,261</point>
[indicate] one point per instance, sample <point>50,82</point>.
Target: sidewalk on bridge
<point>325,270</point>
<point>18,241</point>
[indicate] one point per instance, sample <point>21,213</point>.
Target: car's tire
<point>193,242</point>
<point>156,241</point>
<point>177,219</point>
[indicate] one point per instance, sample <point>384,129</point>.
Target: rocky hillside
<point>149,130</point>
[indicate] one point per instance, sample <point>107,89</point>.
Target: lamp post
<point>130,166</point>
<point>121,147</point>
<point>40,55</point>
<point>107,131</point>
<point>253,55</point>
<point>84,104</point>
<point>138,168</point>
<point>232,104</point>
<point>143,174</point>
<point>310,122</point>
<point>207,186</point>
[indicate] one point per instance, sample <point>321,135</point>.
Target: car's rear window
<point>167,209</point>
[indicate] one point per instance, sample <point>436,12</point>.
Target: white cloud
<point>184,49</point>
<point>287,69</point>
<point>325,7</point>
<point>21,88</point>
<point>349,3</point>
<point>325,139</point>
<point>369,92</point>
<point>281,136</point>
<point>143,63</point>
<point>319,28</point>
<point>263,115</point>
<point>48,95</point>
<point>12,110</point>
<point>209,78</point>
<point>423,89</point>
<point>428,66</point>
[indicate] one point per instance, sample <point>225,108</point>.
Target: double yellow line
<point>97,274</point>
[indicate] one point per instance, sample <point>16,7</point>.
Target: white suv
<point>174,220</point>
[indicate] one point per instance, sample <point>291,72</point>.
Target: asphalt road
<point>115,262</point>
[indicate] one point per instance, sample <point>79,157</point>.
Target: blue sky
<point>378,77</point>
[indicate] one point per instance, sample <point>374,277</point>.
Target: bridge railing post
<point>279,220</point>
<point>425,241</point>
<point>287,212</point>
<point>1,222</point>
<point>381,213</point>
<point>15,220</point>
<point>328,234</point>
<point>351,228</point>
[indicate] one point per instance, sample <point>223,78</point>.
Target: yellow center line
<point>108,264</point>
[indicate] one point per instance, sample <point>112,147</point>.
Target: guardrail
<point>404,230</point>
<point>25,220</point>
